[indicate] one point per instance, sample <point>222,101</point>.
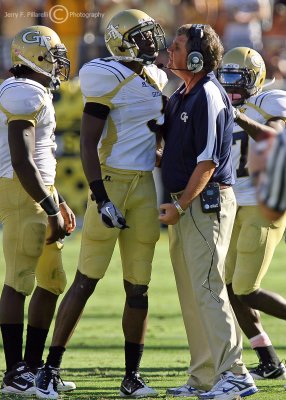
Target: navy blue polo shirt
<point>198,127</point>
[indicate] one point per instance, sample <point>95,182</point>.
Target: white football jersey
<point>126,141</point>
<point>260,108</point>
<point>25,99</point>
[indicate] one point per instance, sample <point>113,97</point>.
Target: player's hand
<point>159,154</point>
<point>111,216</point>
<point>58,229</point>
<point>69,218</point>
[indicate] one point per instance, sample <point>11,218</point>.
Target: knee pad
<point>136,295</point>
<point>83,286</point>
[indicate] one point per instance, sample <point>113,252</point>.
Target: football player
<point>35,219</point>
<point>122,93</point>
<point>254,238</point>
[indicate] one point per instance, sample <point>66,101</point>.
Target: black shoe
<point>134,386</point>
<point>268,371</point>
<point>46,382</point>
<point>20,380</point>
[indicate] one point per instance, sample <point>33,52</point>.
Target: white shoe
<point>184,391</point>
<point>65,386</point>
<point>46,382</point>
<point>231,387</point>
<point>134,386</point>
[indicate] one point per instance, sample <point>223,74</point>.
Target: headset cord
<point>206,284</point>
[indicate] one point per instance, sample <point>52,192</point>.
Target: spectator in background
<point>244,21</point>
<point>268,166</point>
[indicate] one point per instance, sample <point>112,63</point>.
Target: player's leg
<point>256,243</point>
<point>97,246</point>
<point>24,227</point>
<point>137,246</point>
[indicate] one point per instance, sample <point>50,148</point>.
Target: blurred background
<point>260,24</point>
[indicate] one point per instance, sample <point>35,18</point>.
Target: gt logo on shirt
<point>184,116</point>
<point>35,37</point>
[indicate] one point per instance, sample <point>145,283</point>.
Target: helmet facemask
<point>242,74</point>
<point>56,56</point>
<point>130,41</point>
<point>239,83</point>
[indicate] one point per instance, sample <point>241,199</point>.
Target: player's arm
<point>256,130</point>
<point>92,125</point>
<point>21,137</point>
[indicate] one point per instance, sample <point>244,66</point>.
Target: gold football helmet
<point>40,48</point>
<point>120,33</point>
<point>242,73</point>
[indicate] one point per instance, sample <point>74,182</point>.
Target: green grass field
<point>95,359</point>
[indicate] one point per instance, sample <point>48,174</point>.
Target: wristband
<point>48,204</point>
<point>179,208</point>
<point>98,191</point>
<point>61,199</point>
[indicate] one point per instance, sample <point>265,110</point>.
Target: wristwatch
<point>179,208</point>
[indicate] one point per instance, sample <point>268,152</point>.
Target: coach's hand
<point>111,216</point>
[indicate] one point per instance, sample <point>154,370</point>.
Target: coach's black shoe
<point>20,380</point>
<point>46,382</point>
<point>134,386</point>
<point>268,371</point>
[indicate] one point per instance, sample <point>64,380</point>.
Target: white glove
<point>235,113</point>
<point>111,216</point>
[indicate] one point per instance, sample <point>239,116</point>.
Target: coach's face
<point>178,53</point>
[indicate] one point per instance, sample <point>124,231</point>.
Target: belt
<point>177,195</point>
<point>222,186</point>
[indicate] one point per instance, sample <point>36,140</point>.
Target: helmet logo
<point>112,33</point>
<point>257,62</point>
<point>35,37</point>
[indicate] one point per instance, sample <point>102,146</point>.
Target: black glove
<point>111,216</point>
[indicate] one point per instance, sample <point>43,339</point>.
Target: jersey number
<point>241,139</point>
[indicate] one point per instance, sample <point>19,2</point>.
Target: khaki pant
<point>24,232</point>
<point>133,192</point>
<point>253,242</point>
<point>198,247</point>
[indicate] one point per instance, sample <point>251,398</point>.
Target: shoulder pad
<point>159,76</point>
<point>21,97</point>
<point>272,102</point>
<point>99,77</point>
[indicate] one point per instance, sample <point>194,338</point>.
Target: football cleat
<point>268,371</point>
<point>65,386</point>
<point>184,391</point>
<point>20,380</point>
<point>231,386</point>
<point>134,386</point>
<point>46,382</point>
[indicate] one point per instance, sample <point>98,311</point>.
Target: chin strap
<point>130,59</point>
<point>55,82</point>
